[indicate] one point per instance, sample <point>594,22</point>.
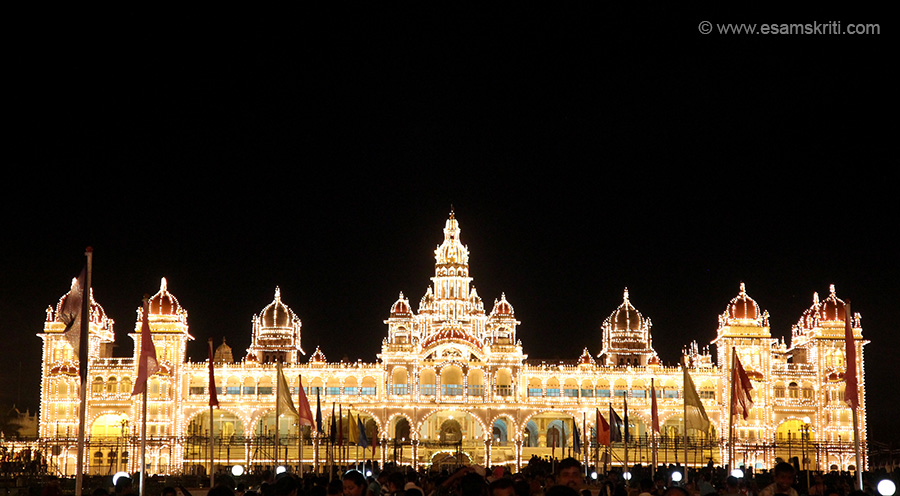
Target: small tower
<point>626,337</point>
<point>276,334</point>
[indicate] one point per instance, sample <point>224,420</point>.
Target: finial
<point>163,286</point>
<point>831,289</point>
<point>816,298</point>
<point>277,293</point>
<point>625,294</point>
<point>452,215</point>
<point>743,288</point>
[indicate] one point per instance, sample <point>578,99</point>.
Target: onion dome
<point>832,308</point>
<point>742,307</point>
<point>164,302</point>
<point>223,353</point>
<point>276,333</point>
<point>317,356</point>
<point>401,307</point>
<point>70,303</point>
<point>277,314</point>
<point>585,358</point>
<point>626,317</point>
<point>502,308</point>
<point>743,311</point>
<point>451,334</point>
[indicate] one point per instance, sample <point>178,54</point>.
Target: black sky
<point>583,152</point>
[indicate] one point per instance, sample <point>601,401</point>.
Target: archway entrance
<point>451,432</point>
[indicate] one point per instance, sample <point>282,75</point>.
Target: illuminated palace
<point>452,385</point>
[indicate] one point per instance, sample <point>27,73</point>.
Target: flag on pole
<point>319,427</point>
<point>363,440</point>
<point>285,404</point>
<point>654,410</point>
<point>615,426</point>
<point>602,430</point>
<point>576,437</point>
<point>741,402</point>
<point>147,363</point>
<point>332,434</point>
<point>695,414</point>
<point>352,430</point>
<point>213,395</point>
<point>305,413</point>
<point>70,313</point>
<point>851,387</point>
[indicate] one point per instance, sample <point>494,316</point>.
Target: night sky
<point>582,153</point>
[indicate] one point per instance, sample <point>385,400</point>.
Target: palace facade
<point>452,385</point>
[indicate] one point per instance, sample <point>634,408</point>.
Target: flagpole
<point>213,401</point>
<point>851,341</point>
<point>654,421</point>
<point>685,425</point>
<point>731,414</point>
<point>83,366</point>
<point>144,440</point>
<point>584,443</point>
<point>625,436</point>
<point>277,409</point>
<point>212,451</point>
<point>299,426</point>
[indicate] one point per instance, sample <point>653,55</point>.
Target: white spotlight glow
<point>676,476</point>
<point>119,475</point>
<point>886,487</point>
<point>237,470</point>
<point>737,473</point>
<point>280,470</point>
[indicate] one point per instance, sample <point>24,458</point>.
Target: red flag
<point>654,410</point>
<point>602,429</point>
<point>147,364</point>
<point>303,410</point>
<point>213,395</point>
<point>741,402</point>
<point>851,388</point>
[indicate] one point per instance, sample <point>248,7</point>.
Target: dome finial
<point>163,286</point>
<point>831,289</point>
<point>277,293</point>
<point>625,294</point>
<point>743,288</point>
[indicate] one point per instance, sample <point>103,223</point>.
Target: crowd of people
<point>540,477</point>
